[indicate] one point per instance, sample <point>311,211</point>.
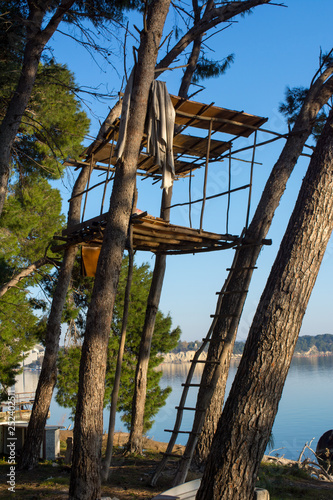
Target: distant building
<point>34,356</point>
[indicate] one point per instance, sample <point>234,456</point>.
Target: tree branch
<point>211,18</point>
<point>24,273</point>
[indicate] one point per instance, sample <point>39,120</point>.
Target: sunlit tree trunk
<point>85,477</point>
<point>215,375</point>
<point>247,419</point>
<point>48,375</point>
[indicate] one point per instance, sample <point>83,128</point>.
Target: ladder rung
<point>187,408</point>
<point>224,315</point>
<point>231,291</point>
<point>171,455</point>
<point>191,385</point>
<point>239,268</point>
<point>205,361</point>
<point>182,432</point>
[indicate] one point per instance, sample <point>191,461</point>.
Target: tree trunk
<point>85,476</point>
<point>195,53</point>
<point>214,376</point>
<point>245,426</point>
<point>135,441</point>
<point>116,386</point>
<point>36,41</point>
<point>48,375</point>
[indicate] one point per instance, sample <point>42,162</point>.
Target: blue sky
<point>274,47</point>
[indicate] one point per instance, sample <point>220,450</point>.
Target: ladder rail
<point>205,398</point>
<point>186,386</point>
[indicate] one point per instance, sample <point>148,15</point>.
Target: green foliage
<point>99,11</point>
<point>68,377</point>
<point>207,68</point>
<point>164,340</point>
<point>324,343</point>
<point>294,99</point>
<point>53,125</point>
<point>18,326</point>
<point>31,216</point>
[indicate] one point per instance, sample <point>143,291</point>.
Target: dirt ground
<point>130,477</point>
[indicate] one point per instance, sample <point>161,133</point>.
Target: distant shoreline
<point>187,356</point>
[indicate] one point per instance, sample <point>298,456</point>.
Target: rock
<point>324,450</point>
<point>261,494</point>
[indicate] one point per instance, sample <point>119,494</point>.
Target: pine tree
<point>165,339</point>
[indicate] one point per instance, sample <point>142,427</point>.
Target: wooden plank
<point>187,231</point>
<point>234,122</point>
<point>164,236</point>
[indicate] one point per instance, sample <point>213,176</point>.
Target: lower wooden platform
<point>150,234</point>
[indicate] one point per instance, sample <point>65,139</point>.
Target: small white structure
<point>14,420</point>
<point>12,444</point>
<point>186,491</point>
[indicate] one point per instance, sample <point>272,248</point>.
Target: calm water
<point>305,410</point>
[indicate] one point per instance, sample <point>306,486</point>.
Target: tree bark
<point>245,426</point>
<point>215,375</point>
<point>48,375</point>
<point>85,476</point>
<point>195,52</point>
<point>36,41</point>
<point>135,442</point>
<point>116,386</point>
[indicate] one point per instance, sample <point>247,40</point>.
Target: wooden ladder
<point>200,408</point>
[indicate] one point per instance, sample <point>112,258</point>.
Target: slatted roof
<point>184,146</point>
<point>196,114</point>
<point>188,114</point>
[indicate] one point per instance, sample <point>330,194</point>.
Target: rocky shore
<point>187,356</point>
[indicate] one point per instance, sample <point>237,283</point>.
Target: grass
<point>130,480</point>
<point>291,482</point>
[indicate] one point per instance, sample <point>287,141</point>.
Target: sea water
<point>305,410</point>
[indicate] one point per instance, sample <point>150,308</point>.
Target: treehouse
<point>202,134</point>
<point>215,131</point>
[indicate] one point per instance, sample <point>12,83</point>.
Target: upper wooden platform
<point>228,121</point>
<point>190,151</point>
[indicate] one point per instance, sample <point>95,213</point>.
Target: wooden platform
<point>188,114</point>
<point>149,233</point>
<point>190,153</point>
